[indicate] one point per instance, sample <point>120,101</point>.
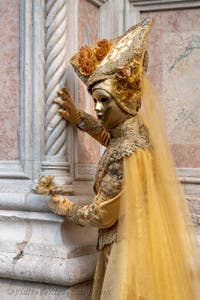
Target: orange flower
<point>104,44</point>
<point>85,52</point>
<point>86,60</point>
<point>102,49</point>
<point>87,66</point>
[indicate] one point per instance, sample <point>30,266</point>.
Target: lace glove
<point>84,121</point>
<point>68,111</point>
<point>60,205</point>
<point>93,127</point>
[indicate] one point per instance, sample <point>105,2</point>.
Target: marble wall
<point>88,15</point>
<point>174,48</point>
<point>9,82</point>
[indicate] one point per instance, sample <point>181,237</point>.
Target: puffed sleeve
<point>103,211</point>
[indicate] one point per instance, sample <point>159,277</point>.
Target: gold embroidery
<point>125,139</point>
<point>107,236</point>
<point>92,126</point>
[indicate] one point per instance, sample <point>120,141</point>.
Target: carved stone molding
<point>60,271</point>
<point>41,291</point>
<point>190,179</point>
<point>55,67</point>
<point>85,171</point>
<point>55,77</point>
<point>35,202</point>
<point>153,5</point>
<point>97,3</point>
<point>24,256</point>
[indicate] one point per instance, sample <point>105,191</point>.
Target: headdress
<point>122,61</point>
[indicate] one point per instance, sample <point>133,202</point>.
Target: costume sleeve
<point>93,127</point>
<point>103,212</point>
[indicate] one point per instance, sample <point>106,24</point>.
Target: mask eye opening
<point>104,99</point>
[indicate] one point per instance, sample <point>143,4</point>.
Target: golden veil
<point>155,256</point>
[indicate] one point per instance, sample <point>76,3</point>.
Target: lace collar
<point>130,126</point>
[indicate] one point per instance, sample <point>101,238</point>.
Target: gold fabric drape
<point>155,256</point>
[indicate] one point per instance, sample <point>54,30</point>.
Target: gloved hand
<point>60,205</point>
<point>68,111</point>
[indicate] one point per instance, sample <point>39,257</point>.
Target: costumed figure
<point>146,251</point>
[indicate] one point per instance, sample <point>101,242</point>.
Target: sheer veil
<point>155,256</point>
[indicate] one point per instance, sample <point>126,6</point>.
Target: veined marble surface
<point>9,79</point>
<point>88,14</point>
<point>174,48</point>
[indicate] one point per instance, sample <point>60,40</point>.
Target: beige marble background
<point>88,148</point>
<point>9,79</point>
<point>174,48</point>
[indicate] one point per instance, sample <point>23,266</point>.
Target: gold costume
<point>146,246</point>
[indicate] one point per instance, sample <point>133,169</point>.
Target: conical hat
<point>120,60</point>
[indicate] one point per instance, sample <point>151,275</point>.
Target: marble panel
<point>9,79</point>
<point>186,155</point>
<point>174,69</point>
<point>88,16</point>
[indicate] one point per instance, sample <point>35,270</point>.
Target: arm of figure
<point>104,210</point>
<point>93,127</point>
<point>84,121</point>
<point>101,213</point>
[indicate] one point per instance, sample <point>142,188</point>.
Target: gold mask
<point>106,107</point>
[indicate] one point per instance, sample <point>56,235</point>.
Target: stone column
<point>56,156</point>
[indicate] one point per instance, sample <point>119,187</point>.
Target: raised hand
<point>68,111</point>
